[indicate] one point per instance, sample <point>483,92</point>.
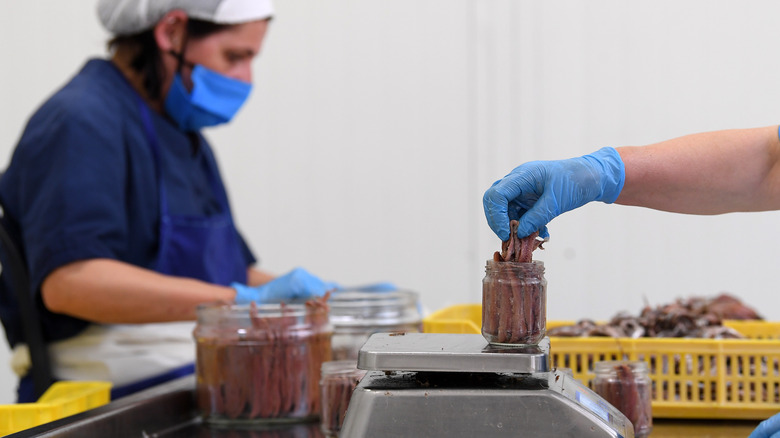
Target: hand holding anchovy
<point>514,293</point>
<point>535,193</point>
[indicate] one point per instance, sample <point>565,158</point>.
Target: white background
<point>375,127</point>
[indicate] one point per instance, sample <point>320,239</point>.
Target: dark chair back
<point>19,282</point>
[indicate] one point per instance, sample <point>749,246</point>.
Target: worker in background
<point>707,173</point>
<point>115,197</point>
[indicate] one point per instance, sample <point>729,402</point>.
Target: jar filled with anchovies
<point>357,314</point>
<point>339,379</point>
<point>514,303</point>
<point>627,386</point>
<point>261,363</point>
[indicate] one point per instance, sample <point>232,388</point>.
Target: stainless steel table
<point>165,411</point>
<point>169,411</point>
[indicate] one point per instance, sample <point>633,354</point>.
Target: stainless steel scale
<point>453,385</point>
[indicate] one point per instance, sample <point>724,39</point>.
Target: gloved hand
<point>296,284</point>
<point>373,287</point>
<point>538,191</point>
<point>769,428</point>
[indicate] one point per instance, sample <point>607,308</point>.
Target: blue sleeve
<point>72,194</point>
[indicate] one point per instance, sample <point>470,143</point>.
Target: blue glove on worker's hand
<point>769,428</point>
<point>296,284</point>
<point>372,287</point>
<point>538,191</point>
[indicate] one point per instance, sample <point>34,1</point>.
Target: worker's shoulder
<point>97,95</point>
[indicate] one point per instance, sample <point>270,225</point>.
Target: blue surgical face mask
<point>215,99</point>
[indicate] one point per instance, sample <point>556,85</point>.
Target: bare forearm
<point>708,173</point>
<point>109,291</point>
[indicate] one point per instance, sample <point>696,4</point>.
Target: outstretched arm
<point>110,291</point>
<point>708,173</point>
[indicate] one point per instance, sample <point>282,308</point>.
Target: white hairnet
<point>127,17</point>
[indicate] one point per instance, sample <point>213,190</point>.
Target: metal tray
<point>441,352</point>
<point>165,411</point>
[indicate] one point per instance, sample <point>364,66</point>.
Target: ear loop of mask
<point>180,56</point>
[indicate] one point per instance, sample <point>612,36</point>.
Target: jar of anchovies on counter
<point>514,303</point>
<point>627,386</point>
<point>356,315</point>
<point>339,379</point>
<point>261,363</point>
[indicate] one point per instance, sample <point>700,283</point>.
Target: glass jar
<point>261,364</point>
<point>514,303</point>
<point>356,315</point>
<point>627,386</point>
<point>339,379</point>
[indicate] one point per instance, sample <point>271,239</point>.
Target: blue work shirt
<point>82,184</point>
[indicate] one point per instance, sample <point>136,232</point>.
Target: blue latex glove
<point>296,284</point>
<point>538,191</point>
<point>373,287</point>
<point>769,428</point>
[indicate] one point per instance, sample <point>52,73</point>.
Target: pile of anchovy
<point>631,396</point>
<point>696,317</point>
<point>269,370</point>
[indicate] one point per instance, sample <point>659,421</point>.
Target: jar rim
<point>269,310</point>
<point>534,268</point>
<point>355,298</point>
<point>358,308</point>
<point>492,262</point>
<point>340,367</point>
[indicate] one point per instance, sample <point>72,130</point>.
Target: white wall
<point>376,126</point>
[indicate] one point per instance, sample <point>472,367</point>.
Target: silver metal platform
<point>440,352</point>
<point>457,385</point>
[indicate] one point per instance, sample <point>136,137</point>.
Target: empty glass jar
<point>356,315</point>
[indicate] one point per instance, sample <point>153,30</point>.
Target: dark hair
<point>147,60</point>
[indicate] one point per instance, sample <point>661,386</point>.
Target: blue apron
<point>203,247</point>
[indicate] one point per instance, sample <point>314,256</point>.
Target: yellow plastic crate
<point>692,378</point>
<point>61,400</point>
